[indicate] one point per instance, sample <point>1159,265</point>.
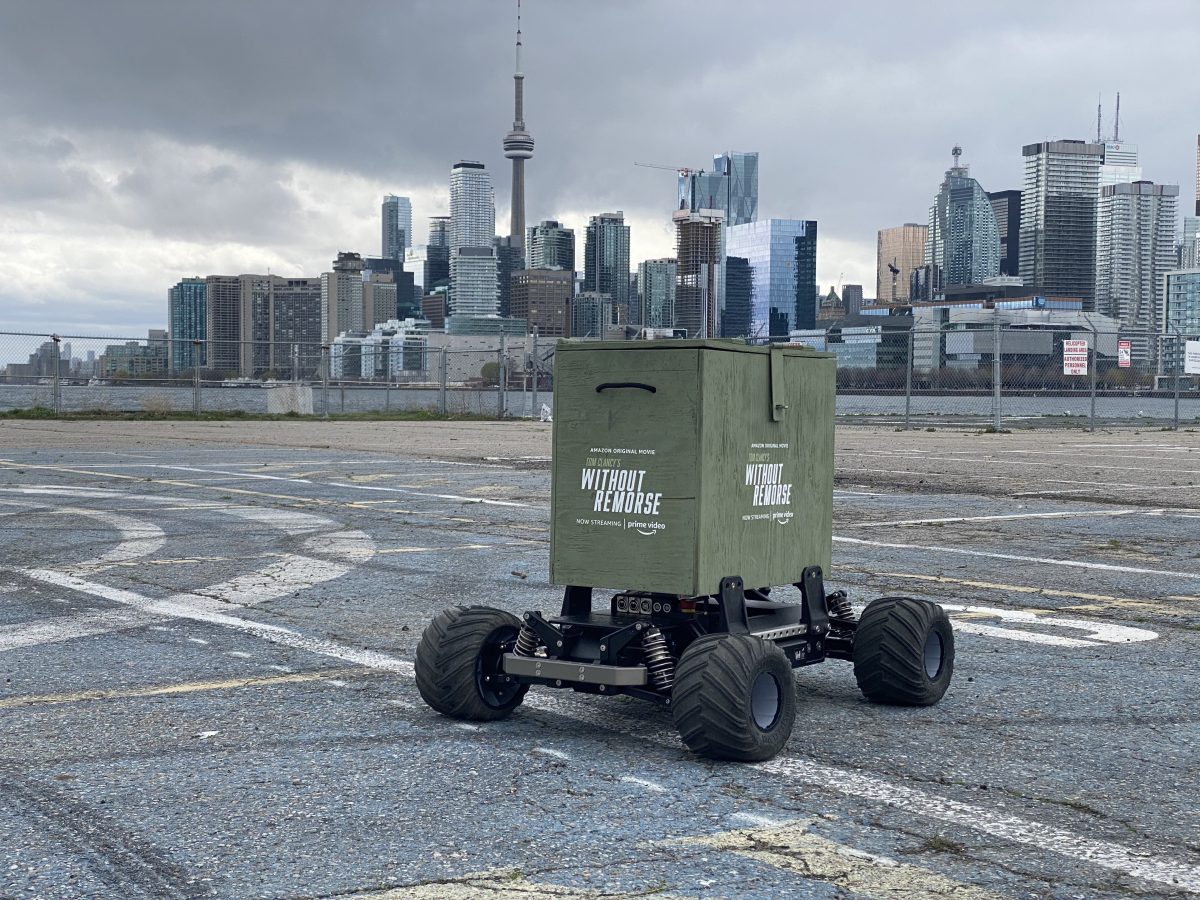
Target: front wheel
<point>903,652</point>
<point>459,664</point>
<point>734,698</point>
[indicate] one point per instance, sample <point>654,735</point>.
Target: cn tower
<point>518,146</point>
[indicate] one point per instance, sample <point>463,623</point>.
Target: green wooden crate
<point>725,468</point>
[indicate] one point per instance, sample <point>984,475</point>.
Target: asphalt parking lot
<point>206,645</point>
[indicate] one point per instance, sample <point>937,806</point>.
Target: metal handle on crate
<point>626,384</point>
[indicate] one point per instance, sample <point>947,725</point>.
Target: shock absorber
<point>658,659</point>
<point>838,605</point>
<point>527,642</point>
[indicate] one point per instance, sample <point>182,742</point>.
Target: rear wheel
<point>904,652</point>
<point>459,664</point>
<point>734,698</point>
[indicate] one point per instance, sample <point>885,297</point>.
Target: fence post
<point>325,381</point>
<point>57,382</point>
<point>501,374</point>
<point>996,371</point>
<point>1095,364</point>
<point>534,409</point>
<point>908,373</point>
<point>445,371</point>
<point>1179,357</point>
<point>196,345</point>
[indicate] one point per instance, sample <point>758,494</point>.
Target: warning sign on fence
<point>1075,357</point>
<point>1124,354</point>
<point>1191,357</point>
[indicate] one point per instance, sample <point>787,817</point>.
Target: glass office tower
<point>782,296</point>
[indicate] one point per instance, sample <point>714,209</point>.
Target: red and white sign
<point>1124,354</point>
<point>1075,357</point>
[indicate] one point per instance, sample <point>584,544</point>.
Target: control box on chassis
<point>687,470</point>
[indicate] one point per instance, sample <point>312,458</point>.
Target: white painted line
<point>205,735</point>
<point>644,782</point>
<point>1083,513</point>
<point>466,726</point>
<point>1050,491</point>
<point>68,628</point>
<point>137,538</point>
<point>394,490</point>
<point>754,819</point>
<point>1097,633</point>
<point>234,474</point>
<point>1070,563</point>
<point>549,751</point>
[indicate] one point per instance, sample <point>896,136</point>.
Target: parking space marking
<point>1105,599</point>
<point>189,687</point>
<point>1083,513</point>
<point>793,848</point>
<point>70,628</point>
<point>1096,632</point>
<point>1013,557</point>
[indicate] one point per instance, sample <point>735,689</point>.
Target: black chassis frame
<point>805,631</point>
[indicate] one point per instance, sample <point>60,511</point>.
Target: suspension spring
<point>527,642</point>
<point>838,604</point>
<point>658,660</point>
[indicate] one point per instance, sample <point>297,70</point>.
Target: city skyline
<point>116,188</point>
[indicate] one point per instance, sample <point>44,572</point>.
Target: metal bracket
<point>577,601</point>
<point>731,606</point>
<point>612,645</point>
<point>553,639</point>
<point>815,614</point>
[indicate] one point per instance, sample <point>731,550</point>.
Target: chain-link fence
<point>993,376</point>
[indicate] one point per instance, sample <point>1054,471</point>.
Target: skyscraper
<point>1058,218</point>
<point>963,240</point>
<point>1198,176</point>
<point>852,299</point>
<point>771,246</point>
<point>437,254</point>
<point>739,287</point>
<point>806,277</point>
<point>509,259</point>
<point>1135,249</point>
<point>473,285</point>
<point>186,322</point>
<point>699,190</point>
<point>741,185</point>
<point>700,268</point>
<point>542,297</point>
<point>606,256</point>
<point>551,245</point>
<point>899,251</point>
<point>396,216</point>
<point>518,146</point>
<point>1007,207</point>
<point>656,280</point>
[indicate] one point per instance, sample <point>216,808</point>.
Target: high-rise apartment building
<point>473,272</point>
<point>656,280</point>
<point>379,299</point>
<point>186,322</point>
<point>1058,218</point>
<point>550,246</point>
<point>542,297</point>
<point>606,257</point>
<point>396,216</point>
<point>223,322</point>
<point>963,240</point>
<point>593,314</point>
<point>342,298</point>
<point>472,206</point>
<point>740,171</point>
<point>852,299</point>
<point>1181,308</point>
<point>1135,249</point>
<point>1118,163</point>
<point>700,260</point>
<point>899,252</point>
<point>1198,176</point>
<point>262,324</point>
<point>1007,207</point>
<point>775,249</point>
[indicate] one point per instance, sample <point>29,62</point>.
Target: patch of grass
<point>411,415</point>
<point>992,429</point>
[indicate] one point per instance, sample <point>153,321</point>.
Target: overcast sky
<point>145,141</point>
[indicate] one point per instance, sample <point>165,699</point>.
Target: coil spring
<point>838,605</point>
<point>527,642</point>
<point>658,659</point>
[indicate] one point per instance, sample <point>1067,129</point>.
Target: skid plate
<point>579,673</point>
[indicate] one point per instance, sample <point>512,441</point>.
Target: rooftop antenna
<point>1098,117</point>
<point>1117,121</point>
<point>956,152</point>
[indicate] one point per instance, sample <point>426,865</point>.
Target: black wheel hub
<point>489,669</point>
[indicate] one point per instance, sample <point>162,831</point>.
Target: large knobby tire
<point>734,698</point>
<point>458,659</point>
<point>903,652</point>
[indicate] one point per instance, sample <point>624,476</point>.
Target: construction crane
<point>682,170</point>
<point>895,270</point>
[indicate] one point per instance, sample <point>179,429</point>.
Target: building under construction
<point>699,272</point>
